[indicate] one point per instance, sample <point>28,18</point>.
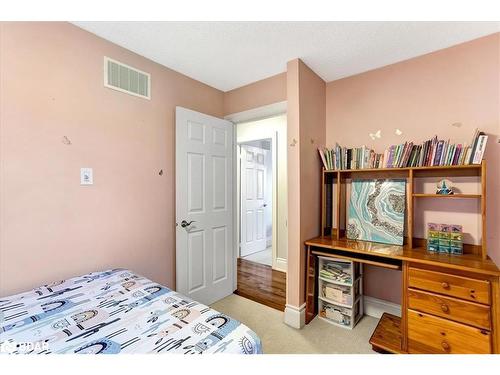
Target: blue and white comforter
<point>116,311</point>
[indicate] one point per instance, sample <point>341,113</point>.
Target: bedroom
<point>123,199</point>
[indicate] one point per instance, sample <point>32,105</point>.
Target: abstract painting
<point>377,211</point>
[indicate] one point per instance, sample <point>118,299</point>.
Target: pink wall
<point>422,97</point>
<point>51,85</point>
<point>257,94</point>
<point>306,132</point>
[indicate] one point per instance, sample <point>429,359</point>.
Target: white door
<point>253,200</point>
<point>204,209</point>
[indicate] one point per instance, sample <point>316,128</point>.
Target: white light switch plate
<point>86,176</point>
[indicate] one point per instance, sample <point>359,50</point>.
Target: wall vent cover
<point>124,78</point>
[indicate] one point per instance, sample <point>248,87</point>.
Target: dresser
<point>450,312</point>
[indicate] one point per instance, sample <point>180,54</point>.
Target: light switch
<point>86,176</point>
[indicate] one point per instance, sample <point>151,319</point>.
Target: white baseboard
<point>280,265</point>
<point>376,307</point>
<point>295,316</point>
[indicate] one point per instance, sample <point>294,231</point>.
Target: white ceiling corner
<point>227,55</point>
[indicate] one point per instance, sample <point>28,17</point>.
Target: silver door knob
<point>185,224</point>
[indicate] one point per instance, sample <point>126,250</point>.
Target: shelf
<point>356,320</point>
<point>331,302</point>
<point>451,170</point>
<point>427,168</point>
<point>326,280</point>
<point>387,336</point>
<point>456,196</point>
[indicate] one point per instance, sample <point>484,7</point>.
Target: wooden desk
<point>446,299</point>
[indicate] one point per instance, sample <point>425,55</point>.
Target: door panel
<point>204,185</point>
<point>196,173</point>
<point>196,260</point>
<point>220,183</point>
<point>253,200</point>
<point>220,254</point>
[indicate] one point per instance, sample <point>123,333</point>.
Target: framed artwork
<point>377,211</point>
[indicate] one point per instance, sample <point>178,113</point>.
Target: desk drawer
<point>458,310</point>
<point>451,285</point>
<point>430,334</point>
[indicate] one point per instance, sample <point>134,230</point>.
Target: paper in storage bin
<point>337,293</point>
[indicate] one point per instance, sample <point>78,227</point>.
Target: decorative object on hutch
<point>444,187</point>
<point>445,238</point>
<point>450,304</point>
<point>377,211</point>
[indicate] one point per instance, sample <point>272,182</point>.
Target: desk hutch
<point>449,303</point>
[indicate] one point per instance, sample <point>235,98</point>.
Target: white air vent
<point>124,78</point>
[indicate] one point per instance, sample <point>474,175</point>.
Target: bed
<point>116,311</point>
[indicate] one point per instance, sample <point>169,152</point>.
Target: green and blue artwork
<point>377,211</point>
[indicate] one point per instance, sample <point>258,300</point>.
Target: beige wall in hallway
<point>258,94</point>
<point>51,86</point>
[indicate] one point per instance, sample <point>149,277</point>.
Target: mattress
<point>116,311</point>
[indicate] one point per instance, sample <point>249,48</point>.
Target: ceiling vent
<point>124,78</point>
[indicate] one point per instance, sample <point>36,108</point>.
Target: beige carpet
<point>317,337</point>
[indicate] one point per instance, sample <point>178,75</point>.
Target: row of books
<point>433,152</point>
<point>350,158</point>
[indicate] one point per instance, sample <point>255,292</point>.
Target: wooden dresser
<point>449,311</point>
<point>449,303</point>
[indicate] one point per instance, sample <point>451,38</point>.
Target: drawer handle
<point>445,308</point>
<point>445,285</point>
<point>445,345</point>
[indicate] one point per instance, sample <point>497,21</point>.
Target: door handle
<point>185,224</point>
<point>264,205</point>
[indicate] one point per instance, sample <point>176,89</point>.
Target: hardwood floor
<point>261,284</point>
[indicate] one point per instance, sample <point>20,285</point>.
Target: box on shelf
<point>340,315</point>
<point>339,271</point>
<point>340,293</point>
<point>445,238</point>
<point>456,247</point>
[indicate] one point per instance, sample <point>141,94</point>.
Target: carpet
<point>318,337</point>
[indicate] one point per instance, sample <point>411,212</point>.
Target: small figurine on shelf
<point>444,187</point>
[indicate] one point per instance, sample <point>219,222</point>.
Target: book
<point>322,156</point>
<point>432,152</point>
<point>473,144</point>
<point>480,148</point>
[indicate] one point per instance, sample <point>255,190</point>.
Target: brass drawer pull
<point>445,285</point>
<point>445,345</point>
<point>445,308</point>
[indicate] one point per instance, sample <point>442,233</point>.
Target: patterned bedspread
<point>116,311</point>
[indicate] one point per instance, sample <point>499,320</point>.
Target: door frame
<point>253,114</point>
<point>274,207</point>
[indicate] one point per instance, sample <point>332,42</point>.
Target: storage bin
<point>337,293</point>
<point>340,289</point>
<point>340,315</point>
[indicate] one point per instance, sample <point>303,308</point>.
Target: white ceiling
<point>227,55</point>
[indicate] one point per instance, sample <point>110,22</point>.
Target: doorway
<point>256,198</point>
<point>262,206</point>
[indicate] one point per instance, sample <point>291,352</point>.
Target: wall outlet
<point>86,176</point>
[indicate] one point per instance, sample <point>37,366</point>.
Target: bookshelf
<point>334,200</point>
